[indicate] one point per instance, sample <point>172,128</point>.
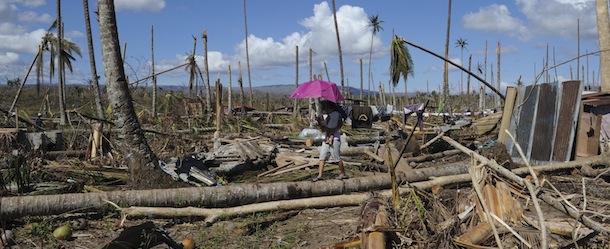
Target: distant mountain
<point>272,89</point>
<point>289,89</point>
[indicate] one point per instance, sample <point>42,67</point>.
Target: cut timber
<point>475,236</point>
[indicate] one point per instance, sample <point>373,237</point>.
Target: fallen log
<point>224,196</point>
<point>434,156</point>
<point>213,214</point>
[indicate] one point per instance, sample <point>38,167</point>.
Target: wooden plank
<point>542,144</point>
<point>512,128</point>
<point>526,121</point>
<point>568,109</point>
<point>487,124</point>
<point>509,103</point>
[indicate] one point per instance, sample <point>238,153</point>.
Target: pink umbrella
<point>318,89</point>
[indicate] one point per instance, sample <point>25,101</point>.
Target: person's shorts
<point>331,153</point>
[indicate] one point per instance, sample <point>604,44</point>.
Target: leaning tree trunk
<point>225,196</point>
<point>94,77</point>
<point>25,79</point>
<point>142,162</point>
<point>603,31</point>
<point>339,46</point>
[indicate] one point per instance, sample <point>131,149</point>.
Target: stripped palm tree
<point>144,170</point>
<point>446,64</point>
<point>94,75</point>
<point>603,28</point>
<point>462,44</point>
<point>375,24</point>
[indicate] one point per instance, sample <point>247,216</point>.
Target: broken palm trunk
<point>374,220</point>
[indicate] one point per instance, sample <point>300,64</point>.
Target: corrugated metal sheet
<point>567,120</point>
<point>545,116</point>
<point>526,120</point>
<point>545,123</point>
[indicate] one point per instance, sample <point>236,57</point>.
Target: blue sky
<point>525,29</point>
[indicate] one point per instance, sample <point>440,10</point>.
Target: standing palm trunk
<point>446,67</point>
<point>143,165</point>
<point>242,97</point>
<point>94,77</point>
<point>208,88</point>
<point>375,24</point>
<point>62,97</point>
<point>603,31</point>
<point>248,56</point>
<point>154,77</point>
<point>361,79</point>
<point>339,46</point>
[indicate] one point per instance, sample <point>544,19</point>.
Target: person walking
<point>331,146</point>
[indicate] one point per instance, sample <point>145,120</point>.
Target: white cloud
<point>320,37</point>
<point>510,49</point>
<point>560,17</point>
<point>7,12</point>
<point>73,34</point>
<point>30,16</point>
<point>23,43</point>
<point>9,58</point>
<point>32,3</point>
<point>495,18</point>
<point>140,5</point>
<point>29,3</point>
<point>11,29</point>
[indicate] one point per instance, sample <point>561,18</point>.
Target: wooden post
<point>16,121</point>
<point>97,139</point>
<point>218,114</point>
<point>509,103</point>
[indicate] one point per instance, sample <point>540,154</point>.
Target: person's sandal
<point>317,178</point>
<point>342,177</point>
